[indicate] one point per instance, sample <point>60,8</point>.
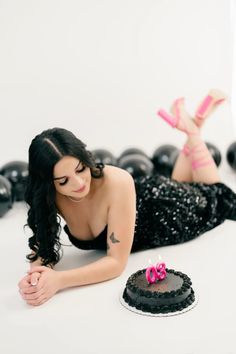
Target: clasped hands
<point>39,285</point>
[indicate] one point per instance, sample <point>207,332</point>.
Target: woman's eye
<point>63,183</point>
<point>77,171</point>
<point>81,169</point>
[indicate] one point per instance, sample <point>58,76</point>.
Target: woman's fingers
<point>30,290</point>
<point>34,277</point>
<point>25,282</point>
<point>33,296</point>
<point>36,302</point>
<point>43,284</point>
<point>29,284</point>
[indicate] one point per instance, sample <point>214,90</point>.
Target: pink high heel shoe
<point>209,104</point>
<point>177,119</point>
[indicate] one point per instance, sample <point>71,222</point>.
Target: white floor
<point>92,320</point>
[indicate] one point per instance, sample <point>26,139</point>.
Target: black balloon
<point>215,153</point>
<point>231,155</point>
<point>137,165</point>
<point>104,156</point>
<point>164,158</point>
<point>131,151</point>
<point>5,195</point>
<point>17,173</point>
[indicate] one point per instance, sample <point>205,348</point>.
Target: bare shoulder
<point>117,175</point>
<point>118,180</point>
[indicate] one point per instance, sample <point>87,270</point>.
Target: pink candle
<point>156,273</point>
<point>151,274</point>
<point>161,271</point>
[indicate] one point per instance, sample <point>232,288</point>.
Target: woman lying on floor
<point>105,208</point>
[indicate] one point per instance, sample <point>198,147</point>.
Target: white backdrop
<point>102,68</point>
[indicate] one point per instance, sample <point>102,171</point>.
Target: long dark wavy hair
<point>45,150</point>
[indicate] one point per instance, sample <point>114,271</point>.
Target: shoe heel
<point>204,106</point>
<point>215,97</point>
<point>167,117</point>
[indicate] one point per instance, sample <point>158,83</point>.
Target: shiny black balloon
<point>104,156</point>
<point>215,153</point>
<point>5,195</point>
<point>164,158</point>
<point>17,173</point>
<point>231,155</point>
<point>131,151</point>
<point>137,165</point>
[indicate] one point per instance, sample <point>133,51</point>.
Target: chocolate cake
<point>174,293</point>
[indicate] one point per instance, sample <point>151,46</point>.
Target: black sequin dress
<point>171,212</point>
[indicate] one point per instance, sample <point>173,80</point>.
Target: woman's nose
<point>77,182</point>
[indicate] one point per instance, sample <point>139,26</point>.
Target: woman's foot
<point>179,119</point>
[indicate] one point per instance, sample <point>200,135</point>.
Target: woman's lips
<point>80,190</point>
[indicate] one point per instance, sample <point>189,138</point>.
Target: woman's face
<point>72,178</point>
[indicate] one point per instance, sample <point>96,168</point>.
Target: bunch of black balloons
<point>138,163</point>
<point>13,176</point>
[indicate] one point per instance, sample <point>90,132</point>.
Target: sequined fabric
<point>171,212</point>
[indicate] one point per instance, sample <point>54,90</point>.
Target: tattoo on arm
<point>113,240</point>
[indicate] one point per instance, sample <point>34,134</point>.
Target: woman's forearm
<point>38,263</point>
<point>104,269</point>
<point>35,263</point>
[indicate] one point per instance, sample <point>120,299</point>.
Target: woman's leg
<point>195,162</point>
<point>182,170</point>
<point>201,161</point>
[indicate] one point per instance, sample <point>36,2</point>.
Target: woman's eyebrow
<point>55,178</point>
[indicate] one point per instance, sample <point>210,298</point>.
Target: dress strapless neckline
<point>99,242</point>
